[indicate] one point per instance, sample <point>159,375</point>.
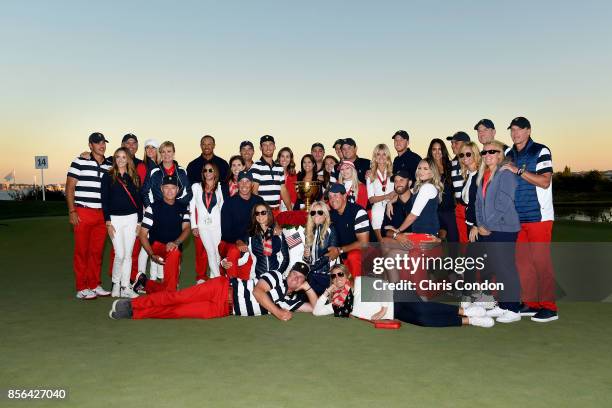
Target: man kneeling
<point>222,296</point>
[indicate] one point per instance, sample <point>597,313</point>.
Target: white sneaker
<point>86,294</point>
<point>486,301</point>
<point>481,321</point>
<point>474,311</point>
<point>200,281</point>
<point>128,293</point>
<point>116,292</point>
<point>509,317</point>
<point>466,301</point>
<point>100,291</point>
<point>496,312</point>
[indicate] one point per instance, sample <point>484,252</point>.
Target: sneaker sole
<point>528,314</point>
<point>549,319</point>
<point>508,321</point>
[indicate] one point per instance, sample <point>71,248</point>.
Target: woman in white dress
<point>380,186</point>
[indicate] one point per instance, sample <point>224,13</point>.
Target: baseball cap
<point>349,141</point>
<point>128,137</point>
<point>401,133</point>
<point>266,138</point>
<point>318,144</point>
<point>402,173</point>
<point>169,180</point>
<point>344,163</point>
<point>337,188</point>
<point>152,142</point>
<point>338,142</point>
<point>246,143</point>
<point>302,268</point>
<point>521,122</point>
<point>488,123</point>
<point>97,137</point>
<point>245,174</point>
<point>459,137</point>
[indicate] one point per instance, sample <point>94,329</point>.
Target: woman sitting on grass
<point>341,300</point>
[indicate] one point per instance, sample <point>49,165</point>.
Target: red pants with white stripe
<point>353,262</point>
<point>208,300</point>
<point>231,252</point>
<point>135,255</point>
<point>460,218</point>
<point>89,238</point>
<point>534,265</point>
<point>172,264</point>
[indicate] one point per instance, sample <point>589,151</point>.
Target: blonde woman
<point>380,186</point>
<point>426,196</point>
<point>320,236</point>
<point>469,160</point>
<point>122,210</point>
<point>356,192</point>
<point>498,222</point>
<point>151,190</point>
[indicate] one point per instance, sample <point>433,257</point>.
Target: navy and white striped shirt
<point>270,180</point>
<point>88,173</point>
<point>245,303</point>
<point>456,179</point>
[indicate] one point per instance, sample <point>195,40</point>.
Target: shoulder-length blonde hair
<point>475,152</point>
<point>499,145</point>
<point>131,169</point>
<point>310,224</point>
<point>435,179</point>
<point>374,166</point>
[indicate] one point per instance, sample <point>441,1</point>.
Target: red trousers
<point>205,301</point>
<point>89,238</point>
<point>232,254</point>
<point>353,262</point>
<point>201,259</point>
<point>460,218</point>
<point>534,265</point>
<point>171,269</point>
<point>135,254</point>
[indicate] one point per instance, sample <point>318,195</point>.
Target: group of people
<point>489,193</point>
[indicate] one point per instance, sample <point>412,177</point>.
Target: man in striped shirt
<point>83,196</point>
<point>352,229</point>
<point>532,163</point>
<point>457,140</point>
<point>269,177</point>
<point>222,296</point>
<point>165,226</point>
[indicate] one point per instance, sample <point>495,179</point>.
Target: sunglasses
<point>462,155</point>
<point>317,212</point>
<point>258,213</point>
<point>208,170</point>
<point>333,276</point>
<point>485,152</point>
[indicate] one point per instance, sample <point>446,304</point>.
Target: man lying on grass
<point>222,296</point>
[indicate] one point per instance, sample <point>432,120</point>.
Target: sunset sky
<point>303,72</point>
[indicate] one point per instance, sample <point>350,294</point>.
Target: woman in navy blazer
<point>498,226</point>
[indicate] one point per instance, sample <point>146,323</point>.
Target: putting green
<point>49,339</point>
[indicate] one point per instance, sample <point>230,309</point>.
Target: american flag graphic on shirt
<point>293,240</point>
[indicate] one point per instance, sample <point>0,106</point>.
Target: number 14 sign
<point>41,162</point>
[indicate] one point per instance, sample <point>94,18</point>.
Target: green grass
<point>23,209</point>
<point>48,338</point>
